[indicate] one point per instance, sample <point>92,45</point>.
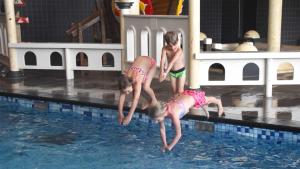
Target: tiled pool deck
<point>243,105</point>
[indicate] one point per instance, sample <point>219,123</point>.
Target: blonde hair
<point>155,111</point>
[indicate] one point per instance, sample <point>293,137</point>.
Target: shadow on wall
<point>298,42</point>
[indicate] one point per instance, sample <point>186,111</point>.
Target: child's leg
<point>216,101</point>
<point>205,111</point>
<point>173,85</point>
<point>146,85</point>
<point>180,84</point>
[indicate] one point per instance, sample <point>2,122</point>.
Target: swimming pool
<point>50,136</point>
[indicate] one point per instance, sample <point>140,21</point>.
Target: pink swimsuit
<point>199,97</point>
<point>181,106</point>
<point>141,71</point>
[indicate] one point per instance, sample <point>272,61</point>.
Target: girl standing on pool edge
<point>138,76</point>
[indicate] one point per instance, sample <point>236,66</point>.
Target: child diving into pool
<point>172,62</point>
<point>138,76</point>
<point>176,108</point>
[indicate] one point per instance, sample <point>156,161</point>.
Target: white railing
<point>3,36</point>
<point>144,34</point>
<point>62,56</point>
<point>233,64</point>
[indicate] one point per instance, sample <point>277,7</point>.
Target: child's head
<point>171,38</point>
<point>125,84</point>
<point>156,112</point>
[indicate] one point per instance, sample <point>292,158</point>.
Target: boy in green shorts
<point>172,62</point>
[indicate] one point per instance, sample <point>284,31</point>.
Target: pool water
<point>31,139</point>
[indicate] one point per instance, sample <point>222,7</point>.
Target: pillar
<point>274,25</point>
<point>135,9</point>
<point>268,77</point>
<point>194,43</point>
<point>12,38</point>
<point>124,6</point>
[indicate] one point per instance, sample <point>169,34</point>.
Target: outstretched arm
<point>120,107</point>
<point>137,92</point>
<point>162,64</point>
<point>163,135</point>
<point>176,122</point>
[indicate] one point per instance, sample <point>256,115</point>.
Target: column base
<point>124,5</point>
<point>15,75</point>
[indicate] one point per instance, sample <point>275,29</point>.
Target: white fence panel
<point>68,53</point>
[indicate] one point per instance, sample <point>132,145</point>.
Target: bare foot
<point>207,115</point>
<point>221,112</point>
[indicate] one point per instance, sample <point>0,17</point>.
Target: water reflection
<point>252,106</point>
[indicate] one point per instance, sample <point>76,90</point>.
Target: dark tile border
<point>269,123</point>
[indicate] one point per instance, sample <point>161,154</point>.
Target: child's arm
<point>163,134</point>
<point>120,107</point>
<point>162,64</point>
<point>137,92</point>
<point>176,122</point>
<point>177,55</point>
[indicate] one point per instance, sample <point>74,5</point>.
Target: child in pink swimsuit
<point>138,76</point>
<point>176,108</point>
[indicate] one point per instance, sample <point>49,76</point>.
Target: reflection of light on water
<point>246,100</point>
<point>202,158</point>
<point>196,142</point>
<point>269,107</point>
<point>240,159</point>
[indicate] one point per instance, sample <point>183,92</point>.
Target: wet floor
<point>246,103</point>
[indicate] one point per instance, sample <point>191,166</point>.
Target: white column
<point>194,43</point>
<point>124,6</point>
<point>268,75</point>
<point>11,33</point>
<point>135,9</point>
<point>69,64</point>
<point>274,25</point>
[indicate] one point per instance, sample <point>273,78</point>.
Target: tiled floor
<point>242,104</point>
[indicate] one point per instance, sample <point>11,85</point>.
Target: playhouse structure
<point>143,35</point>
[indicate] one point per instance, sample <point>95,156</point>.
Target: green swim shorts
<point>177,73</point>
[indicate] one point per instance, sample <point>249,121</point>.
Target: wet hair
<point>156,110</point>
<point>171,38</point>
<point>124,82</point>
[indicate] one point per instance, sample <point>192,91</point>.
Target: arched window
<point>30,58</point>
<point>82,59</point>
<point>285,71</point>
<point>108,60</point>
<point>130,42</point>
<point>251,72</point>
<point>56,59</point>
<point>145,42</point>
<point>216,72</point>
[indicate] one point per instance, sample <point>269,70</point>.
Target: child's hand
<point>163,77</point>
<point>120,118</point>
<point>126,120</point>
<point>165,148</point>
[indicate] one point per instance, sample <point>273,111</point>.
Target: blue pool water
<point>32,139</point>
